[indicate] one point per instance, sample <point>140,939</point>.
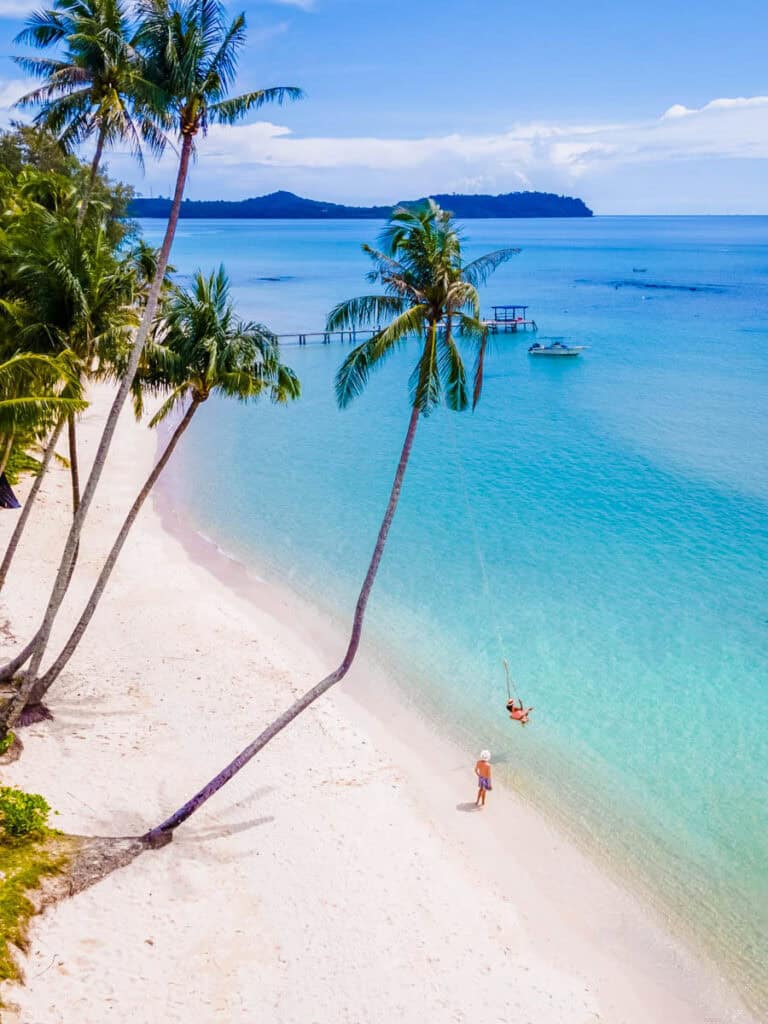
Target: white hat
<point>485,755</point>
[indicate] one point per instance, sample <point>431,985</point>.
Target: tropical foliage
<point>205,350</point>
<point>187,52</point>
<point>69,285</point>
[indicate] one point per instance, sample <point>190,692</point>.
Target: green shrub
<point>24,863</point>
<point>5,742</point>
<point>22,814</point>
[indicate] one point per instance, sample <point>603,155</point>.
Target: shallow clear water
<point>619,503</point>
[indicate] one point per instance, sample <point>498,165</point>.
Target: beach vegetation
<point>29,853</point>
<point>187,51</point>
<point>202,349</point>
<point>22,814</point>
<point>428,296</point>
<point>35,392</point>
<point>46,264</point>
<point>70,289</point>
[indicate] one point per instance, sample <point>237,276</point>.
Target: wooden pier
<point>506,320</point>
<point>326,337</point>
<point>509,319</point>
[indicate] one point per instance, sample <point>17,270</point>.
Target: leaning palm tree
<point>189,60</point>
<point>94,88</point>
<point>427,292</point>
<point>205,350</point>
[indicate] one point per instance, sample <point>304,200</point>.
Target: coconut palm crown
<point>94,87</point>
<point>190,56</point>
<point>428,293</point>
<point>205,348</point>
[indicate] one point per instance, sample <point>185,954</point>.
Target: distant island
<point>287,206</point>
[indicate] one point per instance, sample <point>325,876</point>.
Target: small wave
<point>223,553</point>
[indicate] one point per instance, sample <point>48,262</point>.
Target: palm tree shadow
<point>224,830</point>
<point>219,828</point>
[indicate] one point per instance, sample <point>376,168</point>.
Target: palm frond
<point>478,271</point>
<point>231,110</point>
<point>286,387</point>
<point>452,373</point>
<point>425,384</point>
<point>43,28</point>
<point>476,332</point>
<point>364,310</point>
<point>352,376</point>
<point>175,398</point>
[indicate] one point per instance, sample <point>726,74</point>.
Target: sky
<point>659,107</point>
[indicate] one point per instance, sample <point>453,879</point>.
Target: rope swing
<point>514,705</point>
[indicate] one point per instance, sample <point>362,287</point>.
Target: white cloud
<point>722,129</point>
<point>10,91</point>
<point>17,8</point>
<point>678,110</point>
<point>304,5</point>
<point>263,35</point>
<point>710,159</point>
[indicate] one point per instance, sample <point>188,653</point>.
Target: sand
<point>343,877</point>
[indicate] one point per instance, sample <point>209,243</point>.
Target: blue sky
<point>642,108</point>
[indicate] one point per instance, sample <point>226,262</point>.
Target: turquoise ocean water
<point>620,505</point>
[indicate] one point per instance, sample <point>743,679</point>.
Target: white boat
<point>557,348</point>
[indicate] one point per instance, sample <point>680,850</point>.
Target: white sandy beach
<point>338,879</point>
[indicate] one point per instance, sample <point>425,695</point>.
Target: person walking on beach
<point>483,773</point>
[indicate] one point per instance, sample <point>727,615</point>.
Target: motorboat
<point>557,348</point>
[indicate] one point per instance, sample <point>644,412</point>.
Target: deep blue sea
<point>617,501</point>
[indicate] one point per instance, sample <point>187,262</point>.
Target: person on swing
<point>517,712</point>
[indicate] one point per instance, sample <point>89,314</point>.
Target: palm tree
<point>30,395</point>
<point>205,350</point>
<point>427,290</point>
<point>95,87</point>
<point>189,60</point>
<point>36,391</point>
<point>67,290</point>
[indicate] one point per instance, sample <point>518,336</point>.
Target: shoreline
<point>376,704</point>
<point>338,877</point>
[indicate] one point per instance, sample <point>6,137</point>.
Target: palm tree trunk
<point>42,686</point>
<point>74,474</point>
<point>74,466</point>
<point>13,543</point>
<point>163,833</point>
<point>91,177</point>
<point>60,585</point>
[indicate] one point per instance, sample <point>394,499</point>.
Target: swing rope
<point>481,561</point>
